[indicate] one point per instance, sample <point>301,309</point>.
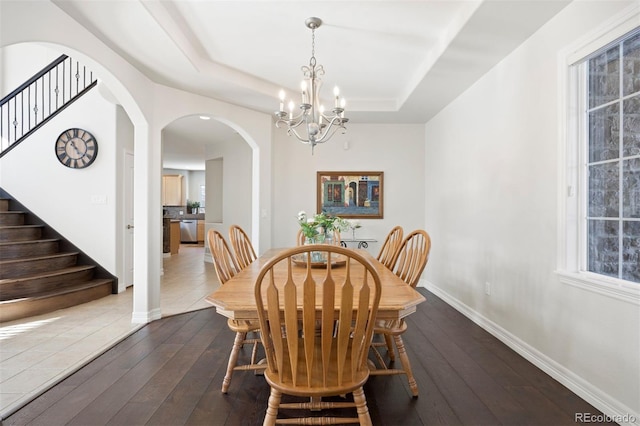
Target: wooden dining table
<point>236,298</point>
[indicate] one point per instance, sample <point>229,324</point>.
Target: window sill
<point>617,289</point>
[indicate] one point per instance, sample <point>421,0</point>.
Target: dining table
<point>236,298</point>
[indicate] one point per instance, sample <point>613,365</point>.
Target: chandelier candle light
<point>319,127</point>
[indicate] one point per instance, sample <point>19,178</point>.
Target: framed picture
<point>351,194</point>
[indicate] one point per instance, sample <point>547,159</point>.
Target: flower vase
<point>328,237</point>
<point>315,255</point>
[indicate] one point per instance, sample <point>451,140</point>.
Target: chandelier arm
<point>291,130</point>
<point>292,122</point>
<point>329,118</point>
<point>289,123</point>
<point>327,135</point>
<point>335,124</point>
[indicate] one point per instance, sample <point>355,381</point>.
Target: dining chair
<point>242,247</point>
<point>320,348</point>
<point>226,268</point>
<point>300,238</point>
<point>409,263</point>
<point>337,239</point>
<point>390,246</point>
<point>386,256</point>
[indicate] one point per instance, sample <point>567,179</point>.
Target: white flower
<point>302,216</point>
<point>341,224</point>
<point>354,224</point>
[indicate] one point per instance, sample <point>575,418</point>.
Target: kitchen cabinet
<point>174,236</point>
<point>172,190</point>
<point>200,231</point>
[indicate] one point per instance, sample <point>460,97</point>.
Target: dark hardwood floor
<point>170,372</point>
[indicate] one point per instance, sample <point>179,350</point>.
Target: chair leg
<point>406,365</point>
<point>390,351</point>
<point>272,408</point>
<point>233,359</point>
<point>361,406</point>
<point>254,352</point>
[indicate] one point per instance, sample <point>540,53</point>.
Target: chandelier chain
<point>312,61</point>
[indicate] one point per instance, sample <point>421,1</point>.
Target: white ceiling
<point>394,61</point>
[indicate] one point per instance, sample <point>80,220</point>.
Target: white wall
<point>395,149</point>
<point>214,191</point>
<point>196,179</point>
<point>33,58</point>
<point>235,157</point>
<point>492,209</point>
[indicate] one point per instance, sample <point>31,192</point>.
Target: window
<point>599,228</point>
<point>612,117</point>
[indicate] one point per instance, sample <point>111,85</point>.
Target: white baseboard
<point>611,407</point>
<point>146,317</point>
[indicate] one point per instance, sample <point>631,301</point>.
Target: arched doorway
<point>209,153</point>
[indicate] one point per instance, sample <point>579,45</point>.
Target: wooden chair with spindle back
<point>242,247</point>
<point>386,256</point>
<point>390,246</point>
<point>226,268</point>
<point>318,348</point>
<point>300,238</point>
<point>410,261</point>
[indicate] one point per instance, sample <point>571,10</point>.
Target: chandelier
<point>312,125</point>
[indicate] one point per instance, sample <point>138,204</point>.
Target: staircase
<point>41,272</point>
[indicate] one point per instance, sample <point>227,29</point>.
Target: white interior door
<point>128,217</point>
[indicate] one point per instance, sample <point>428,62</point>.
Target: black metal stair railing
<point>41,98</point>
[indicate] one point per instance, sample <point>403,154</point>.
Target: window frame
<point>572,182</point>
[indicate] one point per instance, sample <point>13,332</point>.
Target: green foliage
<point>320,223</point>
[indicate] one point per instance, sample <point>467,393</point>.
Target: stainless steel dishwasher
<point>188,231</point>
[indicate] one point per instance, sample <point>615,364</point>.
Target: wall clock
<point>76,148</point>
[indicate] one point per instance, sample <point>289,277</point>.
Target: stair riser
<point>10,311</point>
<point>4,205</point>
<point>20,234</point>
<point>11,219</point>
<point>18,250</point>
<point>16,290</point>
<point>28,267</point>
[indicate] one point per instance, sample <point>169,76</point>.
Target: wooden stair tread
<point>62,291</point>
<point>36,258</point>
<point>57,272</point>
<point>19,226</point>
<point>7,243</point>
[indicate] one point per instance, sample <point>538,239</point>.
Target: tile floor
<point>38,352</point>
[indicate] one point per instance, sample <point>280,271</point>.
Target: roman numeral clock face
<point>76,148</point>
